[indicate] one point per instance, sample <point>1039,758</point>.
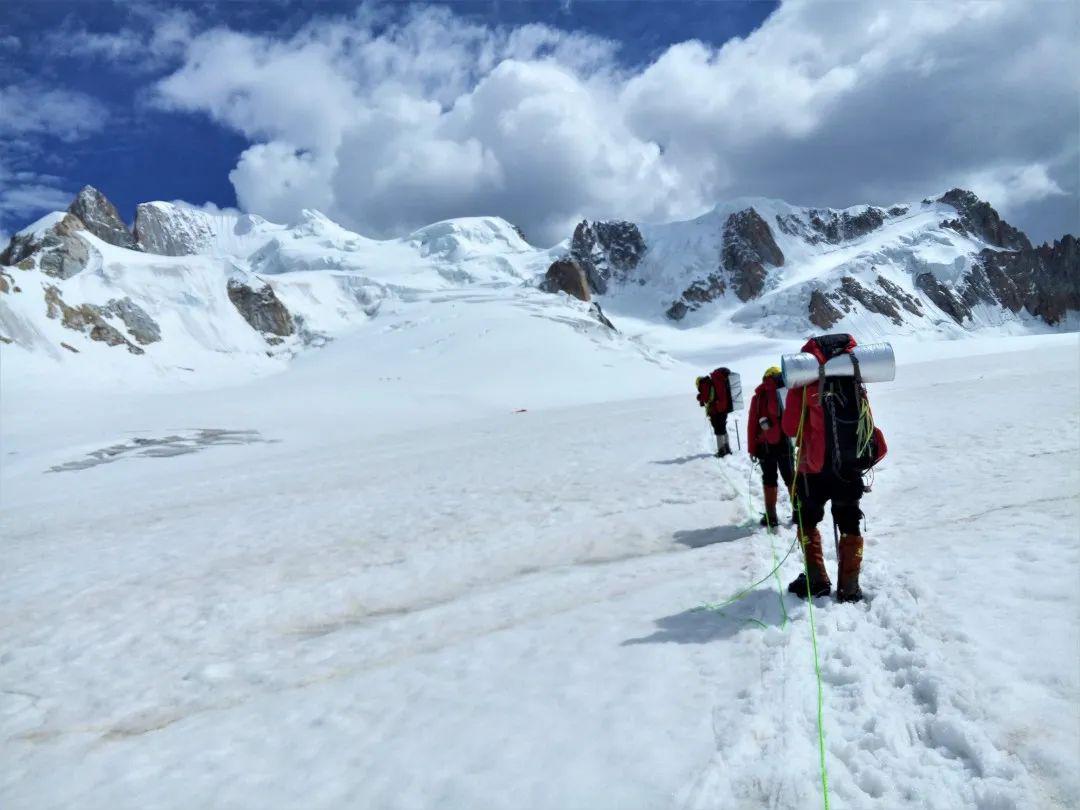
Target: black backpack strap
<point>828,407</point>
<point>858,383</point>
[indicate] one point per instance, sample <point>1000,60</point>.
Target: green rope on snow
<point>748,588</point>
<point>776,576</point>
<point>801,537</point>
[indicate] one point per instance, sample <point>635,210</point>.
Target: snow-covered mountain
<point>946,265</point>
<point>461,551</point>
<point>189,288</point>
<point>189,285</point>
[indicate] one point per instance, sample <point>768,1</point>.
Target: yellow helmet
<point>772,371</point>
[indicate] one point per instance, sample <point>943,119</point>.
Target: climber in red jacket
<point>714,395</point>
<point>833,428</point>
<point>767,443</point>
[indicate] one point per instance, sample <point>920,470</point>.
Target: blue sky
<point>389,116</point>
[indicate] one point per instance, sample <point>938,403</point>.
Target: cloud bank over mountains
<point>389,120</point>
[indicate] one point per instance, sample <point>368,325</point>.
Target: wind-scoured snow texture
<point>410,595</point>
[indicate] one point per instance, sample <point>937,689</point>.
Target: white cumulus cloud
<point>32,109</point>
<point>388,123</point>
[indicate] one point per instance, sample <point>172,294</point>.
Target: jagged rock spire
<point>101,218</point>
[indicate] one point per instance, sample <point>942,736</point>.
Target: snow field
<point>438,602</point>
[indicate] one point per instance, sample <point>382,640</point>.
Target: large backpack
<point>851,438</point>
<point>714,391</point>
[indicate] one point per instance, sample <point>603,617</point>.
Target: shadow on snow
<point>702,625</point>
<point>699,538</point>
<point>686,459</point>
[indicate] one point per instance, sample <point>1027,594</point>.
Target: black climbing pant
<point>775,458</point>
<point>844,489</point>
<point>719,423</point>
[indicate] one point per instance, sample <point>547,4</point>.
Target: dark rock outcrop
<point>835,227</point>
<point>822,313</point>
<point>101,218</point>
<point>606,251</point>
<point>908,302</point>
<point>88,319</point>
<point>839,227</point>
<point>749,246</point>
<point>871,301</point>
<point>58,250</point>
<point>979,219</point>
<point>598,313</point>
<point>826,308</point>
<point>677,311</point>
<point>793,225</point>
<point>140,326</point>
<point>700,292</point>
<point>261,308</point>
<point>943,297</point>
<point>568,276</point>
<point>1044,280</point>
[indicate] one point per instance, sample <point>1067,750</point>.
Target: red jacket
<point>812,441</point>
<point>713,392</point>
<point>764,403</point>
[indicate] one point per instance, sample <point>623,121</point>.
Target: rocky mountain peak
<point>749,246</point>
<point>607,250</point>
<point>979,219</point>
<point>171,230</point>
<point>56,248</point>
<point>1045,280</point>
<point>101,218</point>
<point>835,227</point>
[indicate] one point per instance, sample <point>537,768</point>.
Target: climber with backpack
<point>766,442</point>
<point>714,394</point>
<point>829,417</point>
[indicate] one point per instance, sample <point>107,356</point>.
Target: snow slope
<point>911,241</point>
<point>400,592</point>
<point>331,281</point>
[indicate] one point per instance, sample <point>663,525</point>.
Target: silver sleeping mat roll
<point>877,363</point>
<point>735,386</point>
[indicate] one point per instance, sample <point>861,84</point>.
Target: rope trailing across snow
<point>801,537</point>
<point>718,606</point>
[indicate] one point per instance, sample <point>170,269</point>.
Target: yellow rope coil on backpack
<point>865,431</point>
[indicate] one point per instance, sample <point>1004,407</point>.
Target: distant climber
<point>766,442</point>
<point>833,428</point>
<point>715,396</point>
